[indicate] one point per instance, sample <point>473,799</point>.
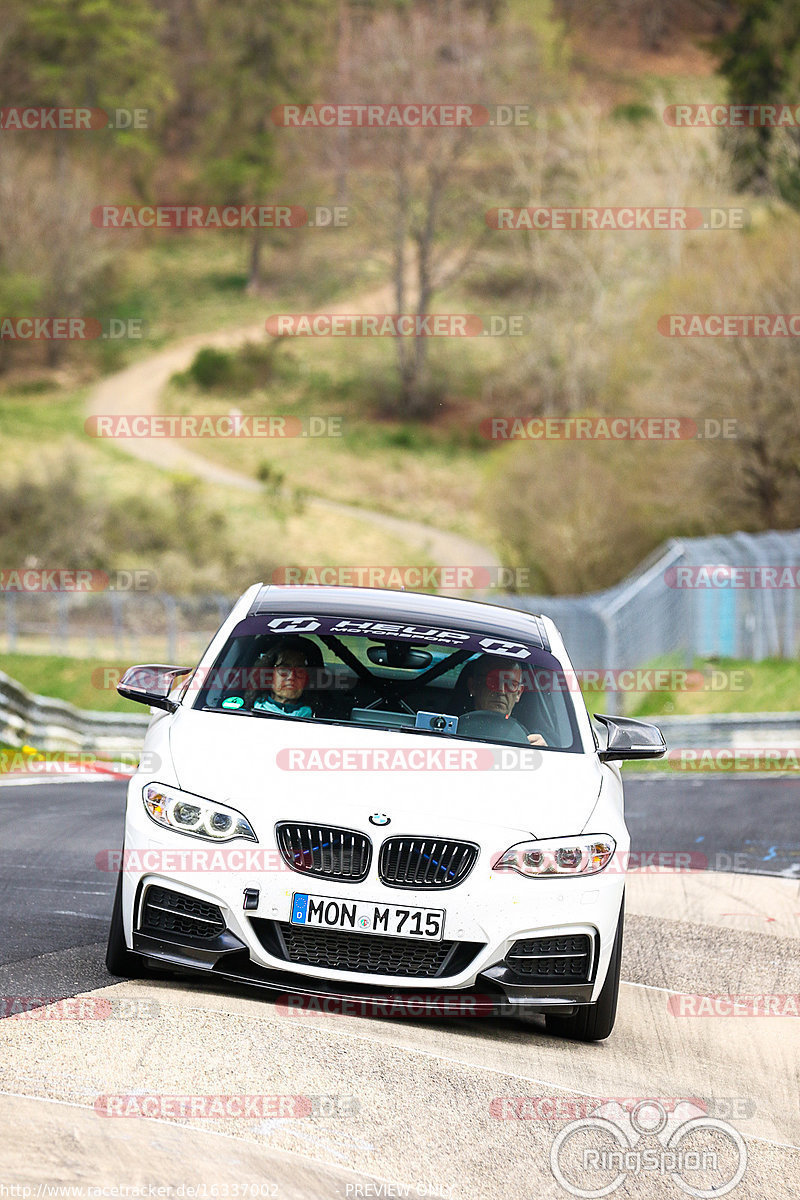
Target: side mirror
<point>627,738</point>
<point>151,685</point>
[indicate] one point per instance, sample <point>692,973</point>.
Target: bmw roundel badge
<point>379,819</point>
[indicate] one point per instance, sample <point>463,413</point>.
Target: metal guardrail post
<point>116,623</point>
<point>62,611</point>
<point>171,609</point>
<point>11,621</point>
<point>611,704</point>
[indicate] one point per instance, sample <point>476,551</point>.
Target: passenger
<point>287,668</point>
<point>495,685</point>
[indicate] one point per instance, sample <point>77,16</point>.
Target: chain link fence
<point>731,596</point>
<point>135,626</point>
<point>714,597</point>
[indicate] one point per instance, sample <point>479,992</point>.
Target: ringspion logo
<point>594,1155</point>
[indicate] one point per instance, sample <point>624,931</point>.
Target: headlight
<point>190,814</point>
<point>559,856</point>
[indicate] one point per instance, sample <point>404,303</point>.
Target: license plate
<point>362,916</point>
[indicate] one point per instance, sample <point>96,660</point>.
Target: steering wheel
<point>483,723</point>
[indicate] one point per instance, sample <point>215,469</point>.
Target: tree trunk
<point>254,270</point>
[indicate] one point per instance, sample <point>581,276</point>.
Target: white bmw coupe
<point>363,793</point>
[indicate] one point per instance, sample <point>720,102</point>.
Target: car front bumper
<point>485,917</point>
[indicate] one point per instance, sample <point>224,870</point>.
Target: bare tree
<point>585,289</point>
<point>751,477</point>
<point>47,241</point>
<point>412,184</point>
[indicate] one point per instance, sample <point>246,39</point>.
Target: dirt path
<point>136,390</point>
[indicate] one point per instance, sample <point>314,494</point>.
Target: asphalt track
<point>403,1107</point>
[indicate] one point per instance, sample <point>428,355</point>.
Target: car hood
<point>237,760</point>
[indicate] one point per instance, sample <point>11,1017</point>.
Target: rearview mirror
<point>398,654</point>
<point>151,685</point>
<point>627,738</point>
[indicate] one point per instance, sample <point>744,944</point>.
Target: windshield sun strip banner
<point>374,630</point>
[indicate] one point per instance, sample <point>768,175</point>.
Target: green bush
<point>240,372</point>
<point>211,369</point>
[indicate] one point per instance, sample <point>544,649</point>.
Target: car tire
<point>119,959</point>
<point>594,1022</point>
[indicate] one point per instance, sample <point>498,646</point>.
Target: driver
<point>495,685</point>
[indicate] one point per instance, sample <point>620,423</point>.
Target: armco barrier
<point>48,724</point>
<point>733,731</point>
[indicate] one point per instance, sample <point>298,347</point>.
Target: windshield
<point>380,675</point>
